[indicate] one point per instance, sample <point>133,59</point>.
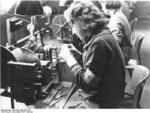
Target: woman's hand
<point>67,55</point>
<point>76,53</point>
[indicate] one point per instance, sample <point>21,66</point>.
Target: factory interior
<point>36,77</point>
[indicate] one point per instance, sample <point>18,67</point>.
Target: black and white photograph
<point>74,54</point>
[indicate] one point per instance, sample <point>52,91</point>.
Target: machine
<point>28,77</point>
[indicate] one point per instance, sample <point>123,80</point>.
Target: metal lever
<point>71,92</point>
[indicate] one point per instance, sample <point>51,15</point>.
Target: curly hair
<point>87,13</point>
<point>113,4</point>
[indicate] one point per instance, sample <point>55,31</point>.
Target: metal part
<point>61,28</point>
<point>53,104</point>
<point>71,92</point>
<point>75,106</point>
<point>49,100</point>
<point>60,96</point>
<point>46,88</point>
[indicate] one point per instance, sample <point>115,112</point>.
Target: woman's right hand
<point>67,55</point>
<point>76,53</point>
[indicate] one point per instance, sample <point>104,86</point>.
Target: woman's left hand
<point>67,55</point>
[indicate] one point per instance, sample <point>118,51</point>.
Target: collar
<point>93,36</point>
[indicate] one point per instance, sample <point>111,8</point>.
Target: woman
<point>119,26</point>
<point>102,72</point>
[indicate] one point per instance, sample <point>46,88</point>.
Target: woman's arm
<point>97,60</point>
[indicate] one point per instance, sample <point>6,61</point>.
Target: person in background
<point>63,4</point>
<point>102,73</point>
<point>127,8</point>
<point>119,26</point>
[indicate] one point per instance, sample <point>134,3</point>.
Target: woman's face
<point>76,29</point>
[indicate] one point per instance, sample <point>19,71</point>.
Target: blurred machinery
<point>28,75</point>
<point>13,24</point>
<point>63,32</point>
<point>47,12</point>
<point>28,78</point>
<point>61,29</point>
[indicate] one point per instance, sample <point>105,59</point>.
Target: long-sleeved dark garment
<point>120,28</point>
<point>103,70</point>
